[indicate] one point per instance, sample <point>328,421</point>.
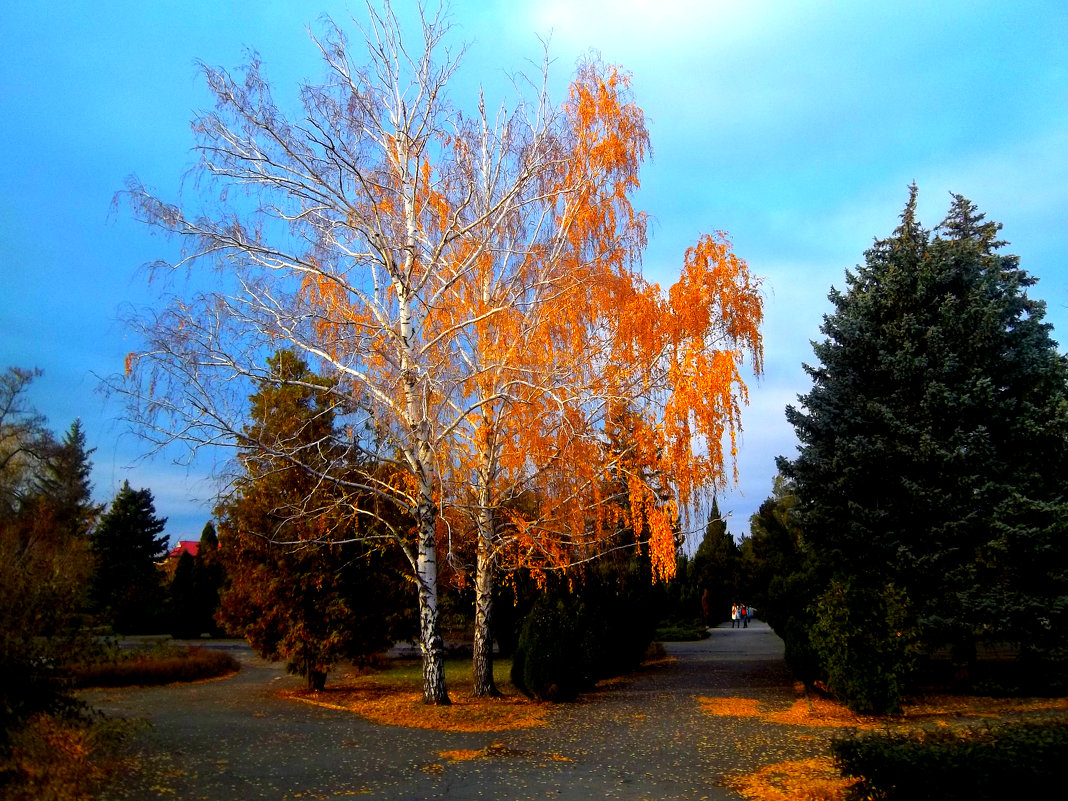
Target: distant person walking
<point>735,619</point>
<point>743,613</point>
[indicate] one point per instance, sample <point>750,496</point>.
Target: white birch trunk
<point>484,582</point>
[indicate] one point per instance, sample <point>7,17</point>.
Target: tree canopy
<point>45,564</point>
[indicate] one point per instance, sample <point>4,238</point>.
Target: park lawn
<point>394,696</point>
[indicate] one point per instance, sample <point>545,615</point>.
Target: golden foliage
<point>550,326</point>
<point>812,712</point>
<point>940,708</point>
<point>463,756</point>
<point>491,751</point>
<point>395,705</point>
<point>817,779</point>
<point>821,712</point>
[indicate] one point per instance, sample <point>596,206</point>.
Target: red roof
<point>185,546</point>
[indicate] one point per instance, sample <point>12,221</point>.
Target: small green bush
<point>618,608</point>
<point>1009,760</point>
<point>160,667</point>
<point>864,640</point>
<point>552,661</point>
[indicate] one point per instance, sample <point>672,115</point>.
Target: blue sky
<point>793,126</point>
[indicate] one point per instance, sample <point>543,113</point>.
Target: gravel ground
<point>641,737</point>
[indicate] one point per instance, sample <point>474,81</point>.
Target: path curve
<point>640,737</point>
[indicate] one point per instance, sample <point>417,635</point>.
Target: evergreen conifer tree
<point>932,460</point>
<point>209,577</point>
<point>715,568</point>
<point>64,481</point>
<point>300,589</point>
<point>128,545</point>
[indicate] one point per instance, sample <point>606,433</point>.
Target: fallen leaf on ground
<point>399,705</point>
<point>797,780</point>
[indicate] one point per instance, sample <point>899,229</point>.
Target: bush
<point>158,667</point>
<point>675,631</point>
<point>617,606</point>
<point>863,640</point>
<point>598,626</point>
<point>1011,760</point>
<point>552,661</point>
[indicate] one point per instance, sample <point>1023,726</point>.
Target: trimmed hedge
<point>1008,760</point>
<point>189,664</point>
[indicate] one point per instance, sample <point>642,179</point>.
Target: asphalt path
<point>640,737</point>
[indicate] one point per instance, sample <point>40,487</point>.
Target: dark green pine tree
<point>128,545</point>
<point>715,569</point>
<point>63,482</point>
<point>209,577</point>
<point>931,461</point>
<point>299,587</point>
<point>182,607</point>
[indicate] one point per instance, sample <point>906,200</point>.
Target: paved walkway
<point>643,737</point>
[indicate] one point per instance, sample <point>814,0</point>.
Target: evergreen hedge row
<point>1007,760</point>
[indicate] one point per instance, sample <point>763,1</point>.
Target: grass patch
<point>394,696</point>
<point>159,665</point>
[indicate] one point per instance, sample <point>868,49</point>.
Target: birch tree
<point>342,233</point>
<point>553,367</point>
<point>467,283</point>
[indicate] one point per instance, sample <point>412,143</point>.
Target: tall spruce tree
<point>128,544</point>
<point>209,579</point>
<point>932,459</point>
<point>64,480</point>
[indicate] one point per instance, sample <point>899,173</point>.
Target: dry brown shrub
<point>56,759</point>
